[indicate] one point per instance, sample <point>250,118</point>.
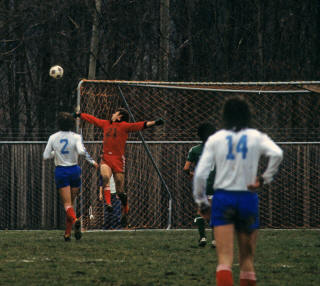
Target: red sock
<point>68,226</point>
<point>71,215</point>
<point>247,278</point>
<point>107,195</point>
<point>224,276</point>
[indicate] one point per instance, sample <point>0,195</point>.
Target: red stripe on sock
<point>68,226</point>
<point>224,277</point>
<point>71,215</point>
<point>107,195</point>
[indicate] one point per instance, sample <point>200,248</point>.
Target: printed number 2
<point>63,149</point>
<point>240,148</point>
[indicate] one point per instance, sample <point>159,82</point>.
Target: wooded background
<point>169,40</point>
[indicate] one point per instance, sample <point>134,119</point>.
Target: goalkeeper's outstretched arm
<point>156,122</point>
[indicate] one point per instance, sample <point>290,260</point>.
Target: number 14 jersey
<point>235,156</point>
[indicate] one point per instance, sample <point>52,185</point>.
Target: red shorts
<point>116,163</point>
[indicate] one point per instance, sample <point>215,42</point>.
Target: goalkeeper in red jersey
<point>115,135</point>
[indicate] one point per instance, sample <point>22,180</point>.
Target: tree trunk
<point>164,39</point>
<point>94,41</point>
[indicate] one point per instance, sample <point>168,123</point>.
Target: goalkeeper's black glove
<point>159,121</point>
<point>76,114</point>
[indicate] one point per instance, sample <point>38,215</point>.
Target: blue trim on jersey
<point>68,176</point>
<point>240,208</point>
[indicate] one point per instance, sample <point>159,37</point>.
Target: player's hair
<point>205,130</point>
<point>236,114</point>
<point>124,114</point>
<point>65,121</point>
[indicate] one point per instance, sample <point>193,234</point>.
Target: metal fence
<point>29,199</point>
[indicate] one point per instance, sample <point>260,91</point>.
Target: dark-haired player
<point>204,131</point>
<point>65,146</point>
<point>235,151</point>
<point>115,134</point>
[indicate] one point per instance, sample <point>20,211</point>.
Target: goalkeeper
<point>115,135</point>
<point>204,131</point>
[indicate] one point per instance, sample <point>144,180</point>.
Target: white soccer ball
<point>56,72</point>
<point>91,217</point>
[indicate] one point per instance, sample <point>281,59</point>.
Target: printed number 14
<point>240,148</point>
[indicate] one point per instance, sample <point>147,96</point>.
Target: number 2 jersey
<point>65,147</point>
<point>115,134</point>
<point>235,157</point>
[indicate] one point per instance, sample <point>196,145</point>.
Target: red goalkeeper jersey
<point>115,134</point>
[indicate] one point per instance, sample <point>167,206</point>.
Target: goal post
<point>286,111</point>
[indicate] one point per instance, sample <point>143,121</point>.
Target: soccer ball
<point>56,72</point>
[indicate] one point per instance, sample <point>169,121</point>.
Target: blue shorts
<point>240,208</point>
<point>68,176</point>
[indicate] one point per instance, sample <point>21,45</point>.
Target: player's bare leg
<point>119,182</point>
<point>224,236</point>
<point>65,194</point>
<point>106,173</point>
<point>247,247</point>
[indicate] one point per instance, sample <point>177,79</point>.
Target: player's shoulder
<point>196,149</point>
<point>221,134</point>
<point>225,132</point>
<point>253,133</point>
<point>75,135</point>
<point>55,135</point>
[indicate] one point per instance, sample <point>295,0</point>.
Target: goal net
<point>287,111</point>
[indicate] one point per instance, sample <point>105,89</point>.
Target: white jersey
<point>235,156</point>
<point>65,147</point>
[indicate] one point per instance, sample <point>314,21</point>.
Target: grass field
<point>284,257</point>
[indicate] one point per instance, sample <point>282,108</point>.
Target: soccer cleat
<point>202,241</point>
<point>213,244</point>
<point>67,238</point>
<point>77,230</point>
<point>109,208</point>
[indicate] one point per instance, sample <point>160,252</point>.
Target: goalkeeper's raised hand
<point>159,121</point>
<point>156,122</point>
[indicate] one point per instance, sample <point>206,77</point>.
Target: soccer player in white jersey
<point>65,147</point>
<point>235,152</point>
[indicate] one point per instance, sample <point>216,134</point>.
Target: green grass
<point>287,257</point>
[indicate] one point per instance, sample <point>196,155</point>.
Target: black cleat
<point>77,230</point>
<point>67,238</point>
<point>202,242</point>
